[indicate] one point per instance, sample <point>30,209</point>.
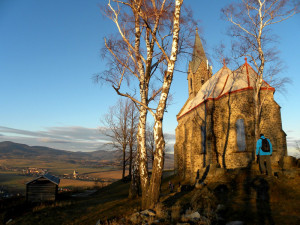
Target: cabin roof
<point>49,177</point>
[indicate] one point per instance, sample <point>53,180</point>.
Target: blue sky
<point>49,51</point>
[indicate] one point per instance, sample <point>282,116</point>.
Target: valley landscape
<point>109,86</point>
<point>21,163</point>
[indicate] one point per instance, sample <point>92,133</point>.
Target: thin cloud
<point>67,138</point>
<point>14,131</point>
<point>49,140</point>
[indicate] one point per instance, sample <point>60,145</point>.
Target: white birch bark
<point>147,23</point>
<point>158,164</point>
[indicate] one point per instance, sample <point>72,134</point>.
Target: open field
<point>54,167</point>
<point>20,164</point>
<point>17,183</point>
<point>80,184</point>
<point>108,174</point>
<point>14,181</point>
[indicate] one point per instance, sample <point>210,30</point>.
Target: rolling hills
<point>11,150</point>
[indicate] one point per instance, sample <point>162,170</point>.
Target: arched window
<point>240,135</point>
<point>191,84</point>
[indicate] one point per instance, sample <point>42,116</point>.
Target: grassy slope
<point>260,199</point>
<point>107,203</point>
<point>240,200</point>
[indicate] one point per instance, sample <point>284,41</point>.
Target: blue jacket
<point>258,147</point>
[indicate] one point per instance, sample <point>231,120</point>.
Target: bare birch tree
<point>252,21</point>
<point>141,66</point>
<point>121,121</point>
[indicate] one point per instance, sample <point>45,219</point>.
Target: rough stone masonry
<point>216,124</point>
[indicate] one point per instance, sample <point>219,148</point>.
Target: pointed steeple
<point>199,69</point>
<point>198,53</point>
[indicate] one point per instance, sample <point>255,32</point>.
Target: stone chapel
<point>216,124</point>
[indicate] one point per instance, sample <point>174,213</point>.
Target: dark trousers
<point>265,168</point>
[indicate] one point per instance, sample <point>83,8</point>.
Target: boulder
<point>148,212</point>
<point>199,185</point>
<point>289,162</point>
<point>143,217</point>
<point>135,218</point>
<point>193,217</point>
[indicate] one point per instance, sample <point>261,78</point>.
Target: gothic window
<point>191,84</point>
<point>203,139</point>
<point>240,135</point>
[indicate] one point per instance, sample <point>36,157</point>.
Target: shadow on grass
<point>185,189</point>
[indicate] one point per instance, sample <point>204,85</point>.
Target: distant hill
<point>14,150</point>
<point>11,150</point>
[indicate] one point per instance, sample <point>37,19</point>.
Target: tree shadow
<point>185,189</point>
<point>247,205</point>
<point>204,175</point>
<point>264,213</point>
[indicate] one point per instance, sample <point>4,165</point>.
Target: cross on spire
<point>224,62</point>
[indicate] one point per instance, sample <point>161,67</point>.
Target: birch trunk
<point>141,140</point>
<point>256,123</point>
<point>257,89</point>
<point>146,26</point>
<point>153,192</point>
<point>158,165</point>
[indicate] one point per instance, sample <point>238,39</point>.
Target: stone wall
<point>219,118</point>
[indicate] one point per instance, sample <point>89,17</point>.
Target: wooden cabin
<point>43,188</point>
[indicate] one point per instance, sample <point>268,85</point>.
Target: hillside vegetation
<point>241,195</point>
<point>221,196</point>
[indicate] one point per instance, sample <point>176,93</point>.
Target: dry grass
<point>112,174</point>
<point>54,167</point>
<point>108,203</point>
<point>80,184</point>
<point>14,181</point>
<point>17,182</point>
<point>175,213</point>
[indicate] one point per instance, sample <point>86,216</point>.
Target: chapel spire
<point>198,53</point>
<point>199,69</point>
